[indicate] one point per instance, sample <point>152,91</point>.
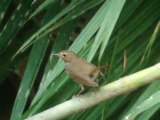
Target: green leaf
<point>146,104</point>
<point>31,71</point>
<point>16,21</point>
<point>106,28</point>
<point>3,7</point>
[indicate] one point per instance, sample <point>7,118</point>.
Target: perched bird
<point>82,72</point>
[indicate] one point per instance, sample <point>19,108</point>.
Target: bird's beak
<point>56,54</point>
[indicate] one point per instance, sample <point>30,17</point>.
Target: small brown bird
<point>82,72</point>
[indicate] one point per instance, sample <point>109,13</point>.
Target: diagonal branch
<point>121,86</point>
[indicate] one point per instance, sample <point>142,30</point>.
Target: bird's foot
<point>95,89</point>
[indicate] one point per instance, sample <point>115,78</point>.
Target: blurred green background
<point>122,33</point>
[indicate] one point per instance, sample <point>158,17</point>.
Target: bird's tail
<point>103,67</point>
<point>100,68</point>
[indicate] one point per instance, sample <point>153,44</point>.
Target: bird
<point>80,71</point>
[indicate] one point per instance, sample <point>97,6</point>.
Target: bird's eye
<point>64,55</point>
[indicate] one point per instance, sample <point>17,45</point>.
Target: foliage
<point>121,33</point>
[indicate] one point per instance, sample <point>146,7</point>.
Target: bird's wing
<point>86,80</point>
<point>81,77</point>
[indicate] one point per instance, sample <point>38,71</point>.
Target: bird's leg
<point>97,80</point>
<point>102,75</point>
<point>82,88</point>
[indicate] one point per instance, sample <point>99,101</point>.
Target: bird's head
<point>66,55</point>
